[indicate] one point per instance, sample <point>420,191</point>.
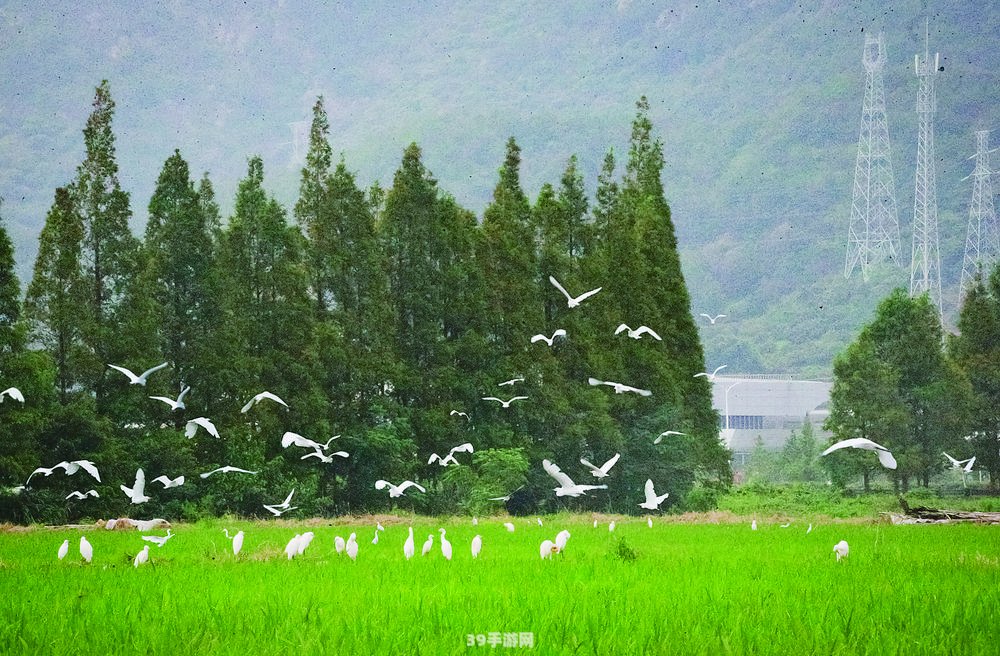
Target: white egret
<point>567,488</point>
<point>375,539</point>
<point>304,541</point>
<point>86,550</point>
<point>326,458</point>
<point>477,546</point>
<point>191,427</point>
<point>475,521</point>
<point>611,526</point>
<point>408,548</point>
<point>450,458</point>
<point>638,332</point>
<point>809,530</point>
<point>548,340</point>
<point>561,539</point>
<point>547,548</point>
<point>260,397</point>
<point>510,382</point>
<point>884,455</point>
<point>63,549</point>
<point>284,506</point>
<point>712,320</point>
<point>539,520</point>
<point>169,482</point>
<point>459,413</point>
<point>841,549</point>
<point>225,470</point>
<point>505,404</point>
<point>237,541</point>
<point>602,471</point>
<point>292,548</point>
<point>666,434</point>
<point>13,393</point>
<point>652,501</point>
<point>753,525</point>
<point>175,404</point>
<point>649,522</point>
<point>352,547</point>
<point>379,527</point>
<point>965,465</point>
<point>339,544</point>
<point>426,549</point>
<point>141,557</point>
<point>141,378</point>
<point>445,545</point>
<point>711,376</point>
<point>571,300</point>
<point>619,387</point>
<point>509,527</point>
<point>137,492</point>
<point>294,439</point>
<point>158,540</point>
<point>397,490</point>
<point>595,523</point>
<point>69,468</point>
<point>76,494</point>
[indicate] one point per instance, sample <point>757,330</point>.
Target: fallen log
<point>924,515</point>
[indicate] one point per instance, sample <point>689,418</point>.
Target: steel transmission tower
<point>982,241</point>
<point>925,265</point>
<point>873,235</point>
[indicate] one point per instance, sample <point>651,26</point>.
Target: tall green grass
<point>690,589</point>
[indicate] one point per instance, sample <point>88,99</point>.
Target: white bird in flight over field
<point>711,376</point>
<point>459,413</point>
<point>260,397</point>
<point>158,540</point>
<point>619,387</point>
<point>77,494</point>
<point>137,492</point>
<point>602,471</point>
<point>712,320</point>
<point>567,488</point>
<point>225,470</point>
<point>450,458</point>
<point>652,501</point>
<point>397,490</point>
<point>169,482</point>
<point>571,300</point>
<point>668,433</point>
<point>510,382</point>
<point>283,507</point>
<point>884,455</point>
<point>86,549</point>
<point>505,404</point>
<point>548,340</point>
<point>141,378</point>
<point>294,439</point>
<point>141,557</point>
<point>13,393</point>
<point>191,427</point>
<point>324,457</point>
<point>70,467</point>
<point>965,465</point>
<point>841,549</point>
<point>638,332</point>
<point>175,404</point>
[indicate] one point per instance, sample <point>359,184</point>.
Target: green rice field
<point>675,588</point>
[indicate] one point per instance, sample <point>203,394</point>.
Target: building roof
<point>769,396</point>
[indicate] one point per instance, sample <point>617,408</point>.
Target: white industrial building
<point>769,407</point>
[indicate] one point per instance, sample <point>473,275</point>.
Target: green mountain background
<point>758,105</point>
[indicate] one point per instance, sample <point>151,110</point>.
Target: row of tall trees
<point>374,313</point>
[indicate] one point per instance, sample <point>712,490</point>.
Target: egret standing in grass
<point>63,549</point>
<point>86,550</point>
<point>477,546</point>
<point>352,546</point>
<point>141,557</point>
<point>408,548</point>
<point>841,549</point>
<point>237,541</point>
<point>445,545</point>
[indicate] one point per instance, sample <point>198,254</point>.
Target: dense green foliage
<point>374,316</point>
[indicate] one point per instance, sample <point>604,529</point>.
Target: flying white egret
<point>611,526</point>
<point>561,539</point>
<point>225,470</point>
<point>292,548</point>
<point>169,482</point>
<point>157,539</point>
<point>304,541</point>
<point>294,439</point>
<point>191,427</point>
<point>602,471</point>
<point>397,490</point>
<point>450,458</point>
<point>712,320</point>
<point>137,492</point>
<point>86,550</point>
<point>426,549</point>
<point>175,404</point>
<point>237,541</point>
<point>571,300</point>
<point>511,382</point>
<point>884,456</point>
<point>477,546</point>
<point>63,549</point>
<point>638,332</point>
<point>668,433</point>
<point>141,557</point>
<point>13,393</point>
<point>965,465</point>
<point>77,494</point>
<point>509,527</point>
<point>445,545</point>
<point>408,548</point>
<point>711,376</point>
<point>547,548</point>
<point>260,397</point>
<point>141,378</point>
<point>69,468</point>
<point>459,413</point>
<point>652,501</point>
<point>841,549</point>
<point>339,544</point>
<point>284,506</point>
<point>548,340</point>
<point>352,547</point>
<point>619,387</point>
<point>324,457</point>
<point>505,404</point>
<point>567,488</point>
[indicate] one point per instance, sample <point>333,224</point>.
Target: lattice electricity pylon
<point>873,235</point>
<point>982,241</point>
<point>925,263</point>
